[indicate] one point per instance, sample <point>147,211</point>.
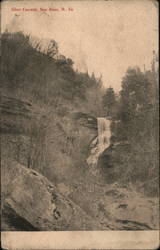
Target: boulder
<point>31,202</point>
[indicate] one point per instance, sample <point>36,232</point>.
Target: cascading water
<point>104,133</point>
<point>103,139</point>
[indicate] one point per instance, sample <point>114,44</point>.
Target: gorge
<point>60,168</point>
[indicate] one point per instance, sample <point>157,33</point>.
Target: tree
<point>52,49</point>
<point>137,104</point>
<point>109,101</point>
<point>134,96</point>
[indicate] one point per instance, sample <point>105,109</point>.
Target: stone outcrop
<point>85,120</point>
<point>118,208</point>
<point>15,113</point>
<point>31,202</point>
<point>111,159</point>
<point>130,210</point>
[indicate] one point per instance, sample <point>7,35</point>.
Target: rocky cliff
<point>14,114</point>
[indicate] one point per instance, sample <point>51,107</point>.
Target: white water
<point>104,135</point>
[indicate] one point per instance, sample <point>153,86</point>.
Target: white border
<point>81,240</point>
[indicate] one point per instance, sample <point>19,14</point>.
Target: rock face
<point>130,210</point>
<point>118,208</point>
<point>31,202</point>
<point>111,159</point>
<point>85,120</point>
<point>15,114</point>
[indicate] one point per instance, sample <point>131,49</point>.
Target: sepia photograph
<point>79,123</point>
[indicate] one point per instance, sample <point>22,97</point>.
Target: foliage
<point>39,74</point>
<point>136,123</point>
<point>109,101</point>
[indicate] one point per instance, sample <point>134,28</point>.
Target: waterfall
<point>104,133</point>
<point>103,140</point>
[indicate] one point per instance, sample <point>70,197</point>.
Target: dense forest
<point>53,134</point>
<point>134,115</point>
